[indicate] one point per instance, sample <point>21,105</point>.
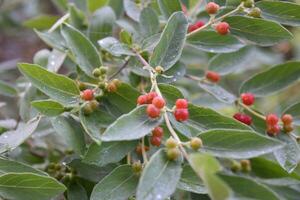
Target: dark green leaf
<point>159,178</point>
<point>77,17</point>
<point>7,89</point>
<point>238,144</point>
<point>149,22</point>
<point>132,9</point>
<point>58,87</point>
<point>71,133</point>
<point>168,50</point>
<point>101,24</point>
<point>115,47</point>
<point>168,7</point>
<point>53,39</point>
<point>85,53</point>
<point>273,79</point>
<point>211,41</point>
<point>76,191</point>
<point>283,12</point>
<point>108,152</point>
<point>28,186</point>
<point>41,22</point>
<point>258,31</point>
<point>48,107</point>
<point>294,110</point>
<point>131,126</point>
<point>175,73</point>
<point>118,185</point>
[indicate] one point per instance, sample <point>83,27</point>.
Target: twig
<point>251,110</point>
<point>120,69</point>
<point>143,151</point>
<point>59,22</point>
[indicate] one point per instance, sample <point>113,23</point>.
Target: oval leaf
<point>114,47</point>
<point>7,89</point>
<point>58,87</point>
<point>168,7</point>
<point>273,79</point>
<point>159,178</point>
<point>149,22</point>
<point>48,107</point>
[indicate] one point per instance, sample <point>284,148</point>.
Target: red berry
<point>199,24</point>
<point>212,8</point>
<point>155,141</point>
<point>195,26</point>
<point>213,76</point>
<point>87,95</point>
<point>273,130</point>
<point>142,99</point>
<point>246,119</point>
<point>159,102</point>
<point>158,132</point>
<point>272,119</point>
<point>248,98</point>
<point>181,114</point>
<point>138,149</point>
<point>287,119</point>
<point>150,96</point>
<point>181,103</point>
<point>222,28</point>
<point>152,111</point>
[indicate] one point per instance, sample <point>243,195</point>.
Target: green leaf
<point>230,62</point>
<point>273,79</point>
<point>48,107</point>
<point>58,87</point>
<point>115,47</point>
<point>289,156</point>
<point>238,144</point>
<point>168,7</point>
<point>71,133</point>
<point>159,178</point>
<point>294,110</point>
<point>101,24</point>
<point>168,50</point>
<point>94,5</point>
<point>28,186</point>
<point>12,139</point>
<point>7,89</point>
<point>76,191</point>
<point>170,94</point>
<point>206,168</point>
<point>108,152</point>
<point>41,22</point>
<point>190,182</point>
<point>258,31</point>
<point>77,17</point>
<point>88,57</point>
<point>131,126</point>
<point>132,9</point>
<point>175,73</point>
<point>218,92</point>
<point>283,12</point>
<point>10,166</point>
<point>149,22</point>
<point>246,188</point>
<point>213,42</point>
<point>118,185</point>
<point>54,39</point>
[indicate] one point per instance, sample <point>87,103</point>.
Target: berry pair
<point>155,103</point>
<point>195,26</point>
<point>272,125</point>
<point>212,76</point>
<point>172,149</point>
<point>157,135</point>
<point>246,119</point>
<point>181,112</point>
<point>287,121</point>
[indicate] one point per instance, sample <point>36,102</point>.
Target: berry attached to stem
<point>159,102</point>
<point>212,76</point>
<point>196,143</point>
<point>248,98</point>
<point>87,94</point>
<point>142,99</point>
<point>155,141</point>
<point>158,132</point>
<point>212,8</point>
<point>195,26</point>
<point>222,28</point>
<point>171,143</point>
<point>173,153</point>
<point>153,111</point>
<point>181,114</point>
<point>272,119</point>
<point>246,119</point>
<point>181,104</point>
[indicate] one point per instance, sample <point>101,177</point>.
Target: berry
<point>181,103</point>
<point>158,132</point>
<point>222,28</point>
<point>142,99</point>
<point>137,167</point>
<point>288,128</point>
<point>181,114</point>
<point>247,98</point>
<point>272,119</point>
<point>111,87</point>
<point>195,26</point>
<point>173,154</point>
<point>171,143</point>
<point>155,141</point>
<point>117,82</point>
<point>87,109</point>
<point>273,130</point>
<point>245,165</point>
<point>248,3</point>
<point>103,70</point>
<point>81,86</point>
<point>150,96</point>
<point>196,143</point>
<point>87,94</point>
<point>255,12</point>
<point>246,119</point>
<point>159,69</point>
<point>138,149</point>
<point>212,76</point>
<point>94,104</point>
<point>212,8</point>
<point>96,72</point>
<point>159,102</point>
<point>152,111</point>
<point>287,119</point>
<point>235,167</point>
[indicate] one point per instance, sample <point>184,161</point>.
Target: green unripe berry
<point>137,167</point>
<point>255,12</point>
<point>87,109</point>
<point>173,153</point>
<point>171,143</point>
<point>236,166</point>
<point>97,72</point>
<point>103,70</point>
<point>94,104</point>
<point>245,165</point>
<point>102,85</point>
<point>196,143</point>
<point>81,86</point>
<point>248,3</point>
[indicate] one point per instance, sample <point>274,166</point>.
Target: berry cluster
<point>181,112</point>
<point>61,172</point>
<point>212,76</point>
<point>248,98</point>
<point>157,134</point>
<point>91,105</point>
<point>172,149</point>
<point>246,119</point>
<point>155,103</point>
<point>195,26</point>
<point>287,121</point>
<point>273,128</point>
